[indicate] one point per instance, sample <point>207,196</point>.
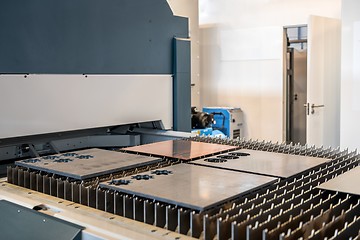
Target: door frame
<point>331,133</point>
<point>286,99</point>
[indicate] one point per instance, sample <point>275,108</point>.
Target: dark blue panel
<point>88,36</point>
<point>182,85</point>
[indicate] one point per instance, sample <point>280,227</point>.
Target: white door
<point>323,82</point>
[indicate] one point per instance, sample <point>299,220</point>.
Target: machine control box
<point>228,120</point>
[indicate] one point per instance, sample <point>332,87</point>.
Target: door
<point>298,130</point>
<point>296,81</point>
<point>323,84</point>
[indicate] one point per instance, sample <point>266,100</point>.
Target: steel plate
<point>180,149</point>
<point>87,163</point>
<point>347,182</point>
<point>18,222</point>
<point>266,163</point>
<point>191,186</point>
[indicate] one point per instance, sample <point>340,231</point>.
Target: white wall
<point>237,77</point>
<point>260,13</point>
<point>350,75</point>
<point>242,56</point>
<point>190,9</point>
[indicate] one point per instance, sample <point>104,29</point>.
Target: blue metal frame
<point>182,85</point>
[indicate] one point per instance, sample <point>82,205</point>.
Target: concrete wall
<point>242,56</point>
<point>350,75</point>
<point>189,9</point>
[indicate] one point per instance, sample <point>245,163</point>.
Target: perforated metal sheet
<point>180,149</point>
<point>87,163</point>
<point>347,182</point>
<point>266,163</point>
<point>191,186</point>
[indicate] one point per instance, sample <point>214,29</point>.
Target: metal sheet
<point>266,163</point>
<point>18,222</point>
<point>346,182</point>
<point>191,186</point>
<point>180,149</point>
<point>87,163</point>
<point>99,224</point>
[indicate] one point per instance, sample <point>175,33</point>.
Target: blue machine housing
<point>228,120</point>
<point>208,132</point>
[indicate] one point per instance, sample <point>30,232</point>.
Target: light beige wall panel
<point>350,75</point>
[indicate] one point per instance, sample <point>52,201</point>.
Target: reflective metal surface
<point>347,182</point>
<point>191,186</point>
<point>87,163</point>
<point>180,149</point>
<point>267,163</point>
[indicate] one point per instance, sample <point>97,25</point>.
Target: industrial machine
<point>200,187</point>
<point>201,120</point>
<point>201,124</point>
<point>228,120</point>
<point>95,139</point>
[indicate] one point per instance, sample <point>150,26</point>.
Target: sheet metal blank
<point>347,182</point>
<point>18,222</point>
<point>191,186</point>
<point>87,163</point>
<point>266,163</point>
<point>180,149</point>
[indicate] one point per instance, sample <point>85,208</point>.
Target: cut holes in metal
<point>70,154</point>
<point>32,160</point>
<point>142,177</point>
<point>228,157</point>
<point>63,160</point>
<point>239,154</point>
<point>161,172</point>
<point>119,182</point>
<point>84,156</point>
<point>216,160</point>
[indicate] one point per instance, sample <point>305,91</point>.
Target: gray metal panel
<point>192,186</point>
<point>96,141</point>
<point>88,36</point>
<point>347,182</point>
<point>17,222</point>
<point>182,85</point>
<point>267,163</point>
<point>156,135</point>
<point>99,163</point>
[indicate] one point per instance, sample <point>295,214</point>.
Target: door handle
<point>306,105</point>
<point>313,106</point>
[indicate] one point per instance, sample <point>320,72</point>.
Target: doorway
<point>312,97</point>
<point>296,83</point>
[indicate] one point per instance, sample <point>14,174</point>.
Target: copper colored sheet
<point>180,149</point>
